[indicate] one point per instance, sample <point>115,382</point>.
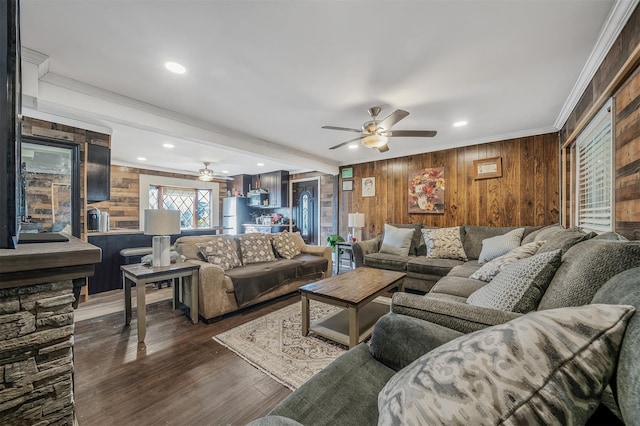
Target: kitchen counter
<point>123,231</point>
<point>264,229</point>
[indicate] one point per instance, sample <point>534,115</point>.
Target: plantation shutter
<point>594,176</point>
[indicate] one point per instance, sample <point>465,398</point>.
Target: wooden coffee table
<point>354,291</point>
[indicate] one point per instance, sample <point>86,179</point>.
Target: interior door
<point>306,210</point>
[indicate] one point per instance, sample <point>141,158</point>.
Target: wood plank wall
<point>526,194</point>
<point>123,207</point>
<point>617,76</point>
<point>627,158</point>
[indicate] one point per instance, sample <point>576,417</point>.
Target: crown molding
<point>612,28</point>
<point>38,59</point>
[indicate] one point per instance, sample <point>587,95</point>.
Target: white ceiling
<point>264,76</point>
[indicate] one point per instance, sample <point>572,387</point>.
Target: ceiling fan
<point>207,174</point>
<point>375,134</point>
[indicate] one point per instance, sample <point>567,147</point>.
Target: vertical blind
<point>594,174</point>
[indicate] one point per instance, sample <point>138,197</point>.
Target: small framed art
<point>487,168</point>
<point>347,185</point>
<point>347,173</point>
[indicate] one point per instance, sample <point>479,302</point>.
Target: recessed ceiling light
<point>141,159</point>
<point>175,67</point>
<point>168,145</point>
<point>260,164</point>
<point>459,123</point>
<point>354,146</point>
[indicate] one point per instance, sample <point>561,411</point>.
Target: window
<point>594,202</point>
<point>194,204</point>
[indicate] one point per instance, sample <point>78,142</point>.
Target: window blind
<point>594,174</point>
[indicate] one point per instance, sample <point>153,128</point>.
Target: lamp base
<point>357,234</point>
<point>161,247</point>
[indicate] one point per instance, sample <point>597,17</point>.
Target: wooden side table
<point>141,275</point>
<point>346,247</point>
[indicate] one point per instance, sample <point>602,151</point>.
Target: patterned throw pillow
<point>547,367</point>
<point>501,244</point>
<point>220,251</point>
<point>520,286</point>
<point>490,269</point>
<point>284,245</point>
<point>444,243</point>
<point>255,248</point>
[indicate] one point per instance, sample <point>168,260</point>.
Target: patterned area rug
<point>274,344</point>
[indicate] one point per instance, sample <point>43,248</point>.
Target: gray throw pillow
<point>564,240</point>
<point>489,270</point>
<point>520,286</point>
<point>547,367</point>
<point>396,240</point>
<point>501,244</point>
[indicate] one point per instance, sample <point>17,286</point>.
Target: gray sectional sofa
<point>401,360</point>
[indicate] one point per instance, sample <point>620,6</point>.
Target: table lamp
<point>356,221</point>
<point>161,224</point>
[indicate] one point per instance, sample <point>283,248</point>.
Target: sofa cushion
<point>386,261</point>
<point>416,238</point>
<point>474,235</point>
<point>500,244</point>
<point>428,266</point>
<point>284,245</point>
<point>343,393</point>
<point>255,248</point>
<point>220,251</point>
<point>255,279</point>
<point>490,269</point>
<point>519,286</point>
<point>396,240</point>
<point>444,243</point>
<point>585,268</point>
<point>456,286</point>
<point>564,240</point>
<point>465,270</point>
<point>538,233</point>
<point>310,264</point>
<point>538,368</point>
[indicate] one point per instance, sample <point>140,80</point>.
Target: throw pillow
<point>500,244</point>
<point>547,367</point>
<point>489,270</point>
<point>220,251</point>
<point>520,286</point>
<point>284,245</point>
<point>255,248</point>
<point>444,243</point>
<point>564,239</point>
<point>396,240</point>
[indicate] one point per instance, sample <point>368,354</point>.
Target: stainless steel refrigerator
<point>235,213</point>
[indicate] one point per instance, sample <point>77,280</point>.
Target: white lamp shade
<point>161,222</point>
<point>356,220</point>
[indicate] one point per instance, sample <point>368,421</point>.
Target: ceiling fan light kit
<point>375,134</point>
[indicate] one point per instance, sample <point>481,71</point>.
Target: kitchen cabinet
<point>98,173</point>
<point>277,184</point>
<point>242,183</point>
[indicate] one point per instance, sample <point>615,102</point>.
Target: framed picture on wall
<point>487,168</point>
<point>347,185</point>
<point>347,173</point>
<point>369,187</point>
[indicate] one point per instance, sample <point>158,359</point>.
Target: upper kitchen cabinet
<point>277,185</point>
<point>98,173</point>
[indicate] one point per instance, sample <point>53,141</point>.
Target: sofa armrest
<point>360,248</point>
<point>452,314</point>
<point>398,340</point>
<point>323,251</point>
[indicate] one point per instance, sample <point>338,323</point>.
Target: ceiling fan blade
<point>344,143</point>
<point>383,148</point>
<point>392,119</point>
<point>411,133</point>
<point>346,129</point>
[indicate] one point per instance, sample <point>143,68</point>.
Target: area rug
<point>274,344</point>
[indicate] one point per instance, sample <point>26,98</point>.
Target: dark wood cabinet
<point>98,173</point>
<point>277,184</point>
<point>242,183</point>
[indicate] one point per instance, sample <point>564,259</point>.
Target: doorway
<point>306,209</point>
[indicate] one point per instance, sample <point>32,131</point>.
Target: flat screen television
<point>10,124</point>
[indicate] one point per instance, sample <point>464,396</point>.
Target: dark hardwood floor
<point>179,376</point>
